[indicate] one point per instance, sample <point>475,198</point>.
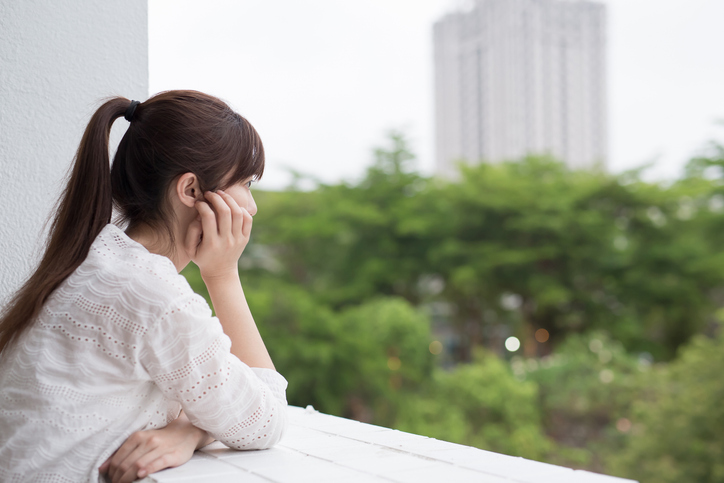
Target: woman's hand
<point>145,452</point>
<point>216,241</point>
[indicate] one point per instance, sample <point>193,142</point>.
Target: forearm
<point>233,312</point>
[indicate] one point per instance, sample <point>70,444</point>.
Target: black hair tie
<point>131,109</point>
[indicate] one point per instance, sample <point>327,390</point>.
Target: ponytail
<point>172,133</point>
<point>85,208</point>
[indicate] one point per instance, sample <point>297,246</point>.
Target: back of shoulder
<point>123,276</point>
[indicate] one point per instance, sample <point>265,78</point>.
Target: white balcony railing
<point>321,448</point>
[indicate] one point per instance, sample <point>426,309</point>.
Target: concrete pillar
<point>58,60</point>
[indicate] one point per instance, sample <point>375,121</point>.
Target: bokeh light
<point>394,363</point>
<point>606,376</point>
<point>512,344</point>
<point>595,345</point>
<point>435,347</point>
<point>542,335</point>
<point>623,425</point>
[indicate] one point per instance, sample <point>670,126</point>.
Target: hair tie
<point>131,109</point>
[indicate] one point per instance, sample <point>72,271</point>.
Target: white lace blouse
<point>123,345</point>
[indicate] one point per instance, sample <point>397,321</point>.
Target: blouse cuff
<point>276,382</point>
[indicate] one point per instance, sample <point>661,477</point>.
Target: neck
<point>159,242</point>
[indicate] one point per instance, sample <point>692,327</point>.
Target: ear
<point>187,189</point>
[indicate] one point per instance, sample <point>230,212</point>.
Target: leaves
<point>350,283</point>
<point>679,425</point>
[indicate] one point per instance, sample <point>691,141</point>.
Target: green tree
<point>678,432</point>
<point>586,389</point>
<point>348,243</point>
<point>480,404</point>
<point>578,250</point>
<point>356,362</point>
<point>342,278</point>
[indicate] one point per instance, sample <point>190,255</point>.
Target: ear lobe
<point>187,189</point>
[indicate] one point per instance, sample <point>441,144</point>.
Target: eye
<point>249,183</point>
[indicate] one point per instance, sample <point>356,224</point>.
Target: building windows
<point>529,80</point>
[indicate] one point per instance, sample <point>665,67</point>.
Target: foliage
<point>349,243</point>
<point>323,353</point>
<point>349,282</point>
<point>678,431</point>
<point>581,250</point>
<point>587,388</point>
<point>480,404</point>
<point>576,250</point>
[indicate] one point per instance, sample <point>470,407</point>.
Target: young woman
<point>110,366</point>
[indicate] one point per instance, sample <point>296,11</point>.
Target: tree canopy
<point>389,300</point>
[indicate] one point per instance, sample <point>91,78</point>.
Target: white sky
<point>324,80</point>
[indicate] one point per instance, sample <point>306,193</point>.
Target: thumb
<point>193,237</point>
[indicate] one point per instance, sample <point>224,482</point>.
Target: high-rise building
<point>518,77</point>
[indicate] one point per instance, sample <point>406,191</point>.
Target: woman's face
<point>241,192</point>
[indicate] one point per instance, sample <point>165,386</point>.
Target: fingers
<point>146,452</point>
<point>237,213</point>
<point>193,237</point>
<point>151,462</point>
<point>225,228</point>
<point>223,211</point>
<point>208,218</point>
<point>113,463</point>
<point>157,462</point>
<point>246,227</point>
<point>139,448</point>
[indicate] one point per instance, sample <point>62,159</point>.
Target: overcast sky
<point>324,80</point>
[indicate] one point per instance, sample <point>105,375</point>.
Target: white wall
<point>58,59</point>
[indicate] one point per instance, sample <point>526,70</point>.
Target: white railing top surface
<point>321,448</point>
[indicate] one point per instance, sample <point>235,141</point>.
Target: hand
<point>145,452</point>
<point>215,242</point>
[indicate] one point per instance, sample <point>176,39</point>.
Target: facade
<point>58,60</point>
<point>518,77</point>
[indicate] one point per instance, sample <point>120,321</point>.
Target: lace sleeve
<point>187,355</point>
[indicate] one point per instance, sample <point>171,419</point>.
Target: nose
<point>251,205</point>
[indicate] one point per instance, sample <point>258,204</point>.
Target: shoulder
<point>122,274</point>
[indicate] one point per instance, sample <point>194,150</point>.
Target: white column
<point>58,60</point>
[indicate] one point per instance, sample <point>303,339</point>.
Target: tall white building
<point>517,77</point>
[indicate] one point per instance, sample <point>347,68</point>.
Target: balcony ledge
<point>321,448</point>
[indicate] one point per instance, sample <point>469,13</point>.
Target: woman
<point>110,365</point>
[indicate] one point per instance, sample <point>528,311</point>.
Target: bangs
<point>250,159</point>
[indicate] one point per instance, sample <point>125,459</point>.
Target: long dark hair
<point>170,134</point>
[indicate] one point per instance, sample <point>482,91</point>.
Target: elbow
<point>266,433</point>
<point>272,432</point>
<point>280,428</point>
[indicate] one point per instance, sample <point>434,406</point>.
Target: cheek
<point>242,199</point>
<point>238,197</point>
<point>246,199</point>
